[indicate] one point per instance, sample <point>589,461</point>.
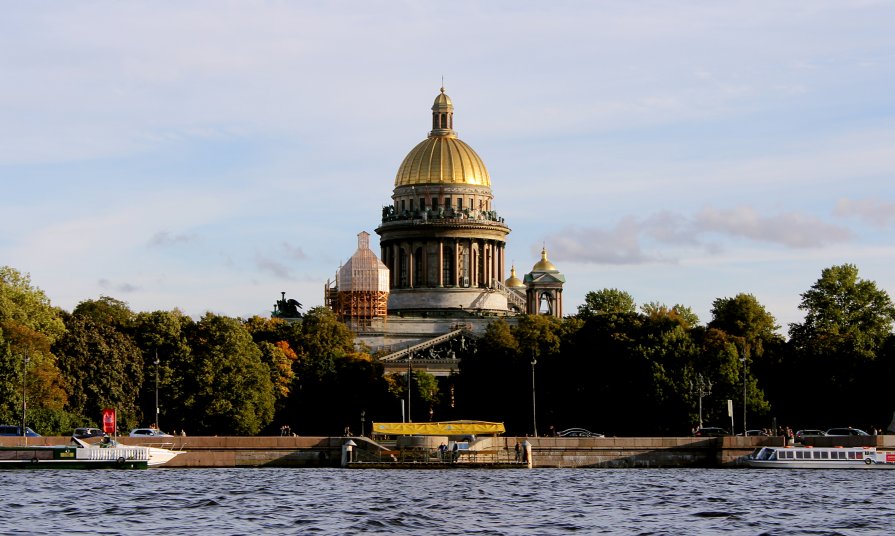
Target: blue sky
<point>208,155</point>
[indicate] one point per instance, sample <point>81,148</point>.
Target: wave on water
<point>454,501</point>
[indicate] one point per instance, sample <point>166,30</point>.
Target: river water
<point>453,501</point>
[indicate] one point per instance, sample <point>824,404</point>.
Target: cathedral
<point>440,272</point>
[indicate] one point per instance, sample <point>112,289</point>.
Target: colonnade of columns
<point>444,262</point>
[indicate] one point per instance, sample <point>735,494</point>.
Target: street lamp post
<point>703,388</point>
<point>157,425</point>
<point>25,360</point>
<point>534,413</point>
<point>743,359</point>
<point>409,376</point>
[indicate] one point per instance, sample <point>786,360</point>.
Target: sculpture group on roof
<point>389,213</point>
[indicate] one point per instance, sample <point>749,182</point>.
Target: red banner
<point>109,421</point>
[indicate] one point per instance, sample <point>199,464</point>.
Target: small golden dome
<point>442,101</point>
<point>442,158</point>
<point>513,281</point>
<point>544,265</point>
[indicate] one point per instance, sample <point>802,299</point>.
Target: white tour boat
<point>821,458</point>
<point>82,455</point>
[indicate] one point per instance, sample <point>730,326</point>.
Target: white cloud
<point>164,238</point>
<point>873,211</point>
<point>125,288</point>
<point>659,237</point>
<point>791,229</point>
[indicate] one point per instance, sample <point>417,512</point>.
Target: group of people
<point>455,452</point>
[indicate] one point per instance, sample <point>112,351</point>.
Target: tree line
<point>612,367</point>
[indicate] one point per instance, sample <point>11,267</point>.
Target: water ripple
<point>536,502</point>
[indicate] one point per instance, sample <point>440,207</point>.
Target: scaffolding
<point>360,290</point>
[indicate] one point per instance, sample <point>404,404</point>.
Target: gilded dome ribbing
<point>442,158</point>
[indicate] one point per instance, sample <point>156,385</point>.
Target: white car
<point>148,432</point>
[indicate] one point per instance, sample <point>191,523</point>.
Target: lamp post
<point>409,375</point>
<point>25,360</point>
<point>363,414</point>
<point>157,425</point>
<point>702,388</point>
<point>743,359</point>
<point>534,413</point>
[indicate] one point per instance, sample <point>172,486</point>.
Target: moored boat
<point>821,458</point>
<point>82,455</point>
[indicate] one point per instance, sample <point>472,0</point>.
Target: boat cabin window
<point>824,455</point>
<point>852,455</point>
<point>764,454</point>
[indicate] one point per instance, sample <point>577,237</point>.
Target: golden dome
<point>442,158</point>
<point>544,265</point>
<point>513,281</point>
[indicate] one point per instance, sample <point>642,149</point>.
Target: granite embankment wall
<point>546,451</point>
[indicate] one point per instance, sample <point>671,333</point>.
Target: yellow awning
<point>438,428</point>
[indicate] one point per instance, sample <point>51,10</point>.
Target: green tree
<point>162,336</point>
<point>743,316</point>
<point>602,378</point>
<point>606,301</point>
<point>721,362</point>
<point>103,367</point>
<point>845,312</point>
<point>106,310</point>
<point>29,325</point>
<point>426,390</point>
<point>274,337</point>
<point>493,372</point>
<point>848,321</point>
<point>752,331</point>
<point>24,304</point>
<point>279,358</point>
<point>228,387</point>
<point>679,313</point>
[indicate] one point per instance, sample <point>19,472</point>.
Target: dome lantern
<point>443,116</point>
<point>442,159</point>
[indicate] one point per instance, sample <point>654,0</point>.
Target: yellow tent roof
<point>438,428</point>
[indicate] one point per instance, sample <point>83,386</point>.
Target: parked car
<point>578,432</point>
<point>11,430</point>
<point>148,432</point>
<point>849,431</point>
<point>761,433</point>
<point>86,433</point>
<point>809,433</point>
<point>711,431</point>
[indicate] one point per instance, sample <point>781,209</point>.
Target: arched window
<point>545,303</point>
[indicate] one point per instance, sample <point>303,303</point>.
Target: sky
<point>207,156</point>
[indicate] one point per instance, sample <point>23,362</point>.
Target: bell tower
<point>543,294</point>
